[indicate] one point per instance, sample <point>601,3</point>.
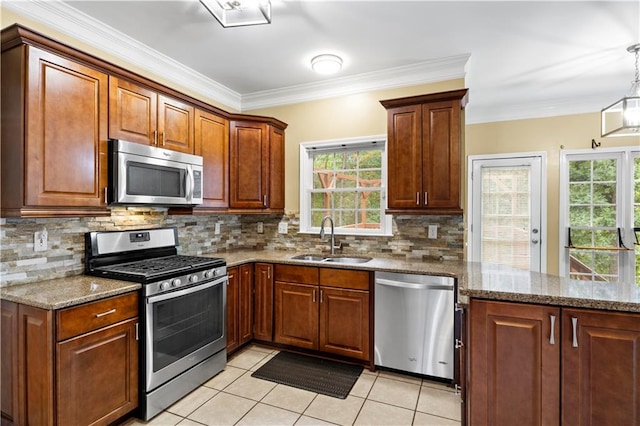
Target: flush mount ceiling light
<point>623,117</point>
<point>326,64</point>
<point>237,13</point>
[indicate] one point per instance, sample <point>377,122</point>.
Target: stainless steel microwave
<point>142,174</point>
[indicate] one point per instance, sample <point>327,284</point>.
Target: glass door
<point>506,212</point>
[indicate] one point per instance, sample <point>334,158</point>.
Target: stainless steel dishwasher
<point>414,323</point>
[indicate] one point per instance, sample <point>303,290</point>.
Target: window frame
<point>624,204</point>
<point>306,182</point>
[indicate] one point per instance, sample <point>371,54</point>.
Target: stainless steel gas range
<point>182,309</point>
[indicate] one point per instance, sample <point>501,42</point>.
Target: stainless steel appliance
<point>142,174</point>
<point>182,312</point>
<point>414,323</point>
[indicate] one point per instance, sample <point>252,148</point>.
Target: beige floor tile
<point>363,385</point>
<point>187,422</point>
<point>289,398</point>
<point>191,402</point>
<point>250,387</point>
<point>163,419</point>
<point>422,419</point>
<point>395,392</point>
<point>401,377</point>
<point>437,385</point>
<point>371,373</point>
<point>263,362</point>
<point>310,421</point>
<point>261,348</point>
<point>225,377</point>
<point>263,414</point>
<point>334,410</point>
<point>377,413</point>
<point>222,409</point>
<point>440,403</point>
<point>246,359</point>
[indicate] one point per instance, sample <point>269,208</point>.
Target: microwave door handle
<point>190,184</point>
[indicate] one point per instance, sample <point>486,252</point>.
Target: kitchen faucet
<point>333,237</point>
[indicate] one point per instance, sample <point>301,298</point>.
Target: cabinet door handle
<point>155,138</point>
<point>574,324</point>
<point>265,200</point>
<point>110,311</point>
<point>321,296</point>
<point>552,338</point>
<point>314,296</point>
<point>417,198</point>
<point>137,331</point>
<point>425,198</point>
<point>162,138</point>
<point>105,194</point>
<point>269,273</point>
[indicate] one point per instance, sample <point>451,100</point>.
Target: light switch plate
<point>217,229</point>
<point>260,227</point>
<point>40,241</point>
<point>433,232</point>
<point>283,227</point>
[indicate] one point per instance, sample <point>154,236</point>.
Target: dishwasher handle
<point>414,286</point>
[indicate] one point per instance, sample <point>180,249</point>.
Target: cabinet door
<point>404,153</point>
<point>212,143</point>
<point>514,364</point>
<point>600,368</point>
<point>344,322</point>
<point>9,357</point>
<point>66,155</point>
<point>296,318</point>
<point>441,155</point>
<point>132,112</point>
<point>233,304</point>
<point>263,302</point>
<point>275,196</point>
<point>245,309</point>
<point>248,164</point>
<point>175,125</point>
<point>98,375</point>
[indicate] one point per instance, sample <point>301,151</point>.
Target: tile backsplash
<point>19,263</point>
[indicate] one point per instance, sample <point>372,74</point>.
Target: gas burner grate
<point>161,265</point>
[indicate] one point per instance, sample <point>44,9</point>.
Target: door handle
<point>574,325</point>
<point>552,338</point>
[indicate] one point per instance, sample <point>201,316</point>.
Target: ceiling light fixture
<point>326,64</point>
<point>623,117</point>
<point>237,13</point>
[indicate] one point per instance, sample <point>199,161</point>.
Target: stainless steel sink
<point>344,259</point>
<point>309,257</point>
<point>333,259</point>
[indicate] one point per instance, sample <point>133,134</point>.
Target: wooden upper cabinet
<point>54,135</point>
<point>141,115</point>
<point>514,364</point>
<point>600,368</point>
<point>256,166</point>
<point>212,143</point>
<point>424,153</point>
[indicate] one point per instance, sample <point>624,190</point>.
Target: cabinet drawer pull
<point>552,338</point>
<point>110,311</point>
<point>417,198</point>
<point>574,324</point>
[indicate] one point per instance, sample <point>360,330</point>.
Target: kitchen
<point>238,231</point>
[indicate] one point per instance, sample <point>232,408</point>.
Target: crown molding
<point>78,25</point>
<point>425,72</point>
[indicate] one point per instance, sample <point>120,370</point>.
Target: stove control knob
<point>176,282</point>
<point>210,274</point>
<point>193,278</point>
<point>164,285</point>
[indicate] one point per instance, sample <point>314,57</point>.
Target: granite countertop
<point>475,280</point>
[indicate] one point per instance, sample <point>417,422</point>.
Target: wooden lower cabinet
<point>96,369</point>
<point>323,309</point>
<point>530,365</point>
<point>239,306</point>
<point>263,302</point>
<point>600,368</point>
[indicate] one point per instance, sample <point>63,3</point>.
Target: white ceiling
<point>520,59</point>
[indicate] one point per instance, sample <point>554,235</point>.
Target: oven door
<point>182,329</point>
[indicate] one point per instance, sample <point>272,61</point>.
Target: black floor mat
<point>313,374</point>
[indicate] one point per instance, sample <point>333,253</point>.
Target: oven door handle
<point>195,288</point>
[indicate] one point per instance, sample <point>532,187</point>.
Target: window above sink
<point>344,179</point>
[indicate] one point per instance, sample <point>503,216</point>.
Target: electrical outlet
<point>216,229</point>
<point>433,232</point>
<point>260,227</point>
<point>283,227</point>
<point>40,240</point>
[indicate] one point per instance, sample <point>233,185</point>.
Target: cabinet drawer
<point>297,274</point>
<point>357,280</point>
<point>91,316</point>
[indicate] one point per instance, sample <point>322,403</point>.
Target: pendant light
<point>623,117</point>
